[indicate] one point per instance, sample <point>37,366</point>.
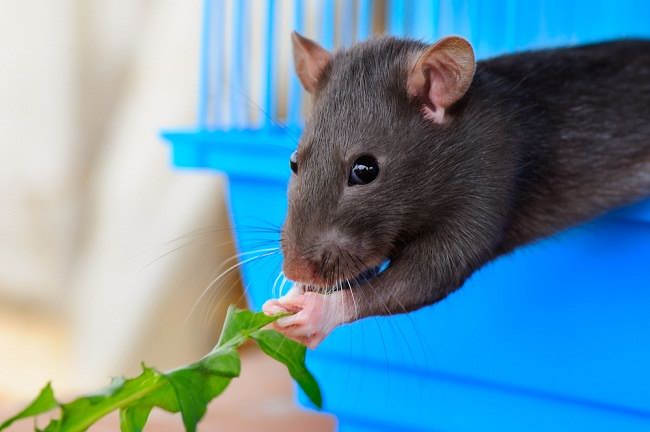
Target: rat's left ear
<point>442,75</point>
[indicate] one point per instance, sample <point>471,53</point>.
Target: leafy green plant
<point>186,390</point>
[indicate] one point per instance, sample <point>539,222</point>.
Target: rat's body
<point>472,163</point>
<point>585,144</point>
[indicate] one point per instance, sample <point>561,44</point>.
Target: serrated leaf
<point>44,402</point>
<point>292,354</point>
<point>81,413</point>
<point>187,390</point>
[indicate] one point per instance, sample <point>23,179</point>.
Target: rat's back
<point>587,116</point>
<point>602,86</point>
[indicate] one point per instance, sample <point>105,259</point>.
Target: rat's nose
<point>315,269</point>
<point>299,269</point>
<point>316,261</point>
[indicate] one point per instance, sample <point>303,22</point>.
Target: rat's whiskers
<point>262,253</point>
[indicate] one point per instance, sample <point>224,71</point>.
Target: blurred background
<point>108,255</point>
<point>99,268</point>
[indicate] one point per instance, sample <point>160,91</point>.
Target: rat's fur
<point>540,142</point>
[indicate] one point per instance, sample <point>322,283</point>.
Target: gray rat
<point>417,156</point>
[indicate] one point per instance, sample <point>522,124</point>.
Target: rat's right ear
<point>442,75</point>
<point>310,60</point>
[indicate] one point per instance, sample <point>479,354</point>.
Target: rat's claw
<point>286,303</point>
<point>314,316</point>
<point>273,307</point>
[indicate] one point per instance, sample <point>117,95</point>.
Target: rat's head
<point>365,172</point>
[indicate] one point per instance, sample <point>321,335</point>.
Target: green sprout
<point>186,390</point>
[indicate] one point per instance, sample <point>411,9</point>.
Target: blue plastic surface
<point>554,337</point>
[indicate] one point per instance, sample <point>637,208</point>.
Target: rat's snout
<point>319,264</point>
<point>300,269</point>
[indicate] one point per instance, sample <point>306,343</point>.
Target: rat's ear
<point>442,75</point>
<point>310,60</point>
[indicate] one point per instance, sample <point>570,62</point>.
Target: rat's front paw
<point>285,303</point>
<point>314,315</point>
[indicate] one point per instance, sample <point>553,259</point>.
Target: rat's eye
<point>293,162</point>
<point>364,170</point>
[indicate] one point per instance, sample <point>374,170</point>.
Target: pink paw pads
<point>312,320</point>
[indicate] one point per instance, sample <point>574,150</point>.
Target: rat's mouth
<point>366,276</point>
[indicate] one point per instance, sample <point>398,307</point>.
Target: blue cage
<point>555,336</point>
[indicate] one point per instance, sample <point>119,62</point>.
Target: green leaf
<point>187,390</point>
<point>222,361</point>
<point>239,324</point>
<point>195,388</point>
<point>292,354</point>
<point>53,426</point>
<point>43,403</point>
<point>82,413</point>
<point>133,418</point>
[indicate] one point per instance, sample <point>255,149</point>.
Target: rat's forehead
<point>359,101</point>
<point>325,143</point>
<point>364,82</point>
<point>372,63</point>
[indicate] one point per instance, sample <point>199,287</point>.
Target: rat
<point>420,165</point>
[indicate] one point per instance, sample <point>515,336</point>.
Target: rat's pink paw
<point>285,303</point>
<point>274,307</point>
<point>314,316</point>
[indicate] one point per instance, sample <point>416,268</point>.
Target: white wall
<point>88,200</point>
<point>38,143</point>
